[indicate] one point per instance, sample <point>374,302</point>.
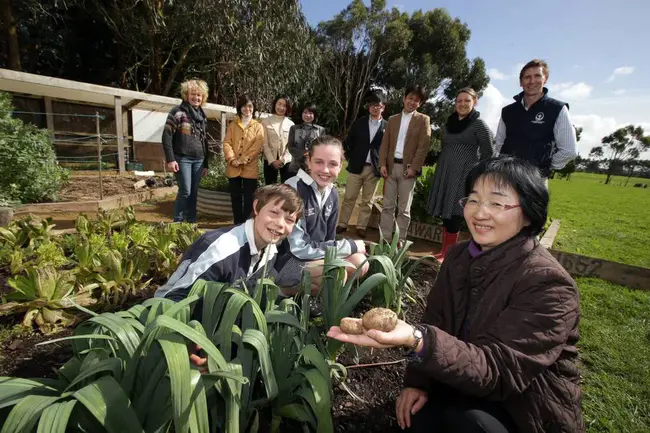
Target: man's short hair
<point>535,63</point>
<point>375,97</point>
<point>418,90</point>
<point>280,192</point>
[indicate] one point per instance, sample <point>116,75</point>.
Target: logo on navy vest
<point>539,118</point>
<point>328,210</point>
<point>310,212</point>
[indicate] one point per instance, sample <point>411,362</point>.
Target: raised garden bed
<point>215,203</point>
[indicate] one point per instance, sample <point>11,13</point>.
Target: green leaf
<point>54,419</point>
<point>178,368</point>
<point>257,339</point>
<point>298,412</point>
<point>216,361</point>
<point>199,422</point>
<point>276,316</point>
<point>110,365</point>
<point>126,335</point>
<point>14,389</point>
<point>106,401</point>
<point>321,394</point>
<point>368,284</point>
<point>77,337</point>
<point>25,414</point>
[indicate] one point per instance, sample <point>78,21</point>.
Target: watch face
<point>417,333</point>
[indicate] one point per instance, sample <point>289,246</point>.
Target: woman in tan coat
<point>241,149</point>
<point>276,134</point>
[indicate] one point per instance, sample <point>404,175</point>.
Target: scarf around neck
<point>198,119</point>
<point>456,126</point>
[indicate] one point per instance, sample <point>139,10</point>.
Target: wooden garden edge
<point>114,202</point>
<point>576,264</point>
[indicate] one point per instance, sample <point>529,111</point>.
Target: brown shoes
<point>361,233</point>
<point>340,229</point>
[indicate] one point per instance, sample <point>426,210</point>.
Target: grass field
<point>615,357</point>
<point>605,221</point>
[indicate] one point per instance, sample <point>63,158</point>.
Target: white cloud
<point>623,70</point>
<point>594,129</point>
<point>619,92</point>
<point>571,91</point>
<point>490,106</point>
<point>496,74</point>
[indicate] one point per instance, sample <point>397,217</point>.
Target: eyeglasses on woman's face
<point>493,206</point>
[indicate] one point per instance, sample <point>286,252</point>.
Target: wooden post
<point>49,118</point>
<point>99,156</point>
<point>119,133</point>
<point>223,130</point>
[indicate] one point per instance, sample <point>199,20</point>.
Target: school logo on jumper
<point>539,118</point>
<point>310,212</point>
<point>328,210</point>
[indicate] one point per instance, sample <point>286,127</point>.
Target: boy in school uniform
<point>238,253</point>
<point>402,153</point>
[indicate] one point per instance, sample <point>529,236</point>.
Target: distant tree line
<point>620,154</point>
<point>246,46</point>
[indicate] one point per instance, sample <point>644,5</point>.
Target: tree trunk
<point>180,63</point>
<point>10,35</point>
<point>609,177</point>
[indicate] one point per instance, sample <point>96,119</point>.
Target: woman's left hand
<point>402,335</point>
<point>204,172</point>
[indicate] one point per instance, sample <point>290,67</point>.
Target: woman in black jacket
<point>301,136</point>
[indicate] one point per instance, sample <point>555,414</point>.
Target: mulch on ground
<point>86,187</point>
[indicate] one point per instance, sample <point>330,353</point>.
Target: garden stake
<point>376,364</point>
<point>99,156</point>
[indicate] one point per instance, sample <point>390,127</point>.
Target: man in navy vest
<point>535,127</point>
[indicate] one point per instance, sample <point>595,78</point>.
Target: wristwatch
<point>418,334</point>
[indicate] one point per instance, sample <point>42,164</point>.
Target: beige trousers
<point>398,193</point>
<point>366,182</point>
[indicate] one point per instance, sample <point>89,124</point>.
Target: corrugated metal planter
<point>214,203</point>
<point>6,215</point>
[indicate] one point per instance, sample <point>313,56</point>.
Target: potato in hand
<point>381,319</point>
<point>351,326</point>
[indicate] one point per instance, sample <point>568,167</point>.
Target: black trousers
<point>453,224</point>
<point>271,174</point>
<point>461,414</point>
<point>241,197</point>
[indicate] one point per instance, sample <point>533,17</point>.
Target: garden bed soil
<point>377,386</point>
<point>86,187</point>
<point>20,357</point>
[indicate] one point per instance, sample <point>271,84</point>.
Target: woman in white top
<point>276,134</point>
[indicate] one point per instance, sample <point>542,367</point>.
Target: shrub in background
<point>30,172</point>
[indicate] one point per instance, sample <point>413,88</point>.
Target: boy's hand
<point>383,172</point>
<point>197,360</point>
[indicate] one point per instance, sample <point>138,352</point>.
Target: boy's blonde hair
<point>189,85</point>
<point>292,202</point>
